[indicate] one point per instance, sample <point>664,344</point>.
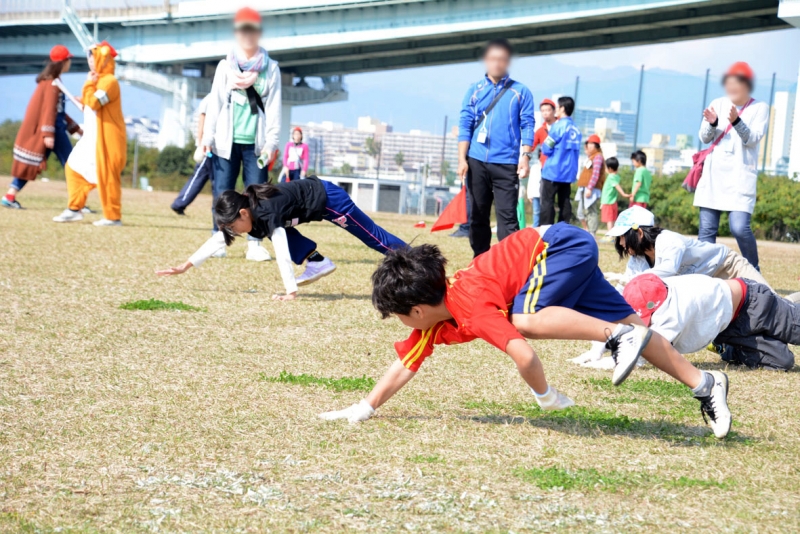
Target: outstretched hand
<point>290,296</point>
<point>180,269</point>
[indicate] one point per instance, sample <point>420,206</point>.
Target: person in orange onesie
<point>99,157</point>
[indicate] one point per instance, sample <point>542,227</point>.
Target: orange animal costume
<point>100,165</point>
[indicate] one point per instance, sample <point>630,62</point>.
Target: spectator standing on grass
<point>729,179</point>
<point>45,128</point>
<point>496,119</point>
<point>203,171</point>
<point>642,180</point>
<point>548,110</point>
<point>295,158</point>
<point>609,211</point>
<point>562,149</point>
<point>590,185</point>
<point>243,119</point>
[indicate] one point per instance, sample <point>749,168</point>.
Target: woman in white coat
<point>243,117</point>
<point>728,183</point>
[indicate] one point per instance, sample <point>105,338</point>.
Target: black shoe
<point>461,232</point>
<point>179,211</point>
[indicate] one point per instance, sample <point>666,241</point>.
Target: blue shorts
<point>566,274</point>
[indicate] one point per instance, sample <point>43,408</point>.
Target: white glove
<point>607,363</point>
<point>553,400</point>
<point>354,414</point>
<point>592,355</point>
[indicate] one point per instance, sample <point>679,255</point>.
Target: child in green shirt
<point>642,179</point>
<point>611,190</point>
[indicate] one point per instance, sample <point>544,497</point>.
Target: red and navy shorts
<point>566,274</point>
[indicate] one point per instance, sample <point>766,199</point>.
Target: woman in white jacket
<point>244,114</point>
<point>730,172</point>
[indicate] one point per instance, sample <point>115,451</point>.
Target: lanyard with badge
<point>483,133</point>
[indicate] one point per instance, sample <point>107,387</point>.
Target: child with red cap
<point>747,322</point>
<point>735,125</point>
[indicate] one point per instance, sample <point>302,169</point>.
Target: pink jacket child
<point>295,157</point>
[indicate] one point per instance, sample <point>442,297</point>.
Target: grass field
<point>132,403</point>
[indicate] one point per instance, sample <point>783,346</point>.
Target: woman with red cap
<point>45,128</point>
<point>243,119</point>
<point>735,123</point>
<point>295,158</point>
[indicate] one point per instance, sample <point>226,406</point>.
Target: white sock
<point>543,394</point>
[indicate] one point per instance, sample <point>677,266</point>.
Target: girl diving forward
<point>273,211</point>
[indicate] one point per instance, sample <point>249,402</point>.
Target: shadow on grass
<point>582,421</point>
<point>333,296</point>
<point>363,262</point>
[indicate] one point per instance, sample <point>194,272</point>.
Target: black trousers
<point>488,183</point>
<point>549,192</point>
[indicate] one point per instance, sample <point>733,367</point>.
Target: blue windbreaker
<point>562,148</point>
<point>509,125</point>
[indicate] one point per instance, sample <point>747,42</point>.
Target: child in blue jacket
<point>562,148</point>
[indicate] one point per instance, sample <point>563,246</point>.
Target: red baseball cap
<point>59,53</point>
<point>594,138</point>
<point>247,17</point>
<point>645,293</point>
<point>742,70</point>
<point>548,102</point>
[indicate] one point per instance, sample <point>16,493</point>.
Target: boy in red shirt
<point>541,283</point>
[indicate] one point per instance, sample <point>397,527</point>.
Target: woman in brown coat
<point>45,128</point>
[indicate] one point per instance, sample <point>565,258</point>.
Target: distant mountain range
<point>420,98</point>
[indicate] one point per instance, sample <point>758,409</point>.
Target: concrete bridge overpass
<point>331,38</point>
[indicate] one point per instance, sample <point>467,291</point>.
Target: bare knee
<point>525,323</point>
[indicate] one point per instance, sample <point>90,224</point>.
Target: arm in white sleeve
<point>669,256</point>
<point>284,260</point>
<point>272,110</point>
<point>209,248</point>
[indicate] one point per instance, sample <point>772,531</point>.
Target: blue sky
<point>421,97</point>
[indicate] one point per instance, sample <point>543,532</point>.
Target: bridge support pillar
<point>794,150</point>
<point>286,125</point>
<point>176,111</point>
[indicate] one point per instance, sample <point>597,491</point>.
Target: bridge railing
<point>51,9</point>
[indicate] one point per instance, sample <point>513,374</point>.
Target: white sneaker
<point>68,216</point>
<point>315,270</point>
<point>715,406</point>
<point>255,252</point>
<point>626,347</point>
<point>106,222</point>
<point>553,400</point>
<point>221,253</point>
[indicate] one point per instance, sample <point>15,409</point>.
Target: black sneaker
<point>179,211</point>
<point>715,406</point>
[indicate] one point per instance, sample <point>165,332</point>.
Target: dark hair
<point>596,146</point>
<point>408,277</point>
<point>568,104</point>
<point>638,244</point>
<point>51,71</point>
<point>498,43</point>
<point>612,163</point>
<point>639,157</point>
<point>229,203</point>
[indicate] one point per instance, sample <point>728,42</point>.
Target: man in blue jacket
<point>496,121</point>
<point>562,148</point>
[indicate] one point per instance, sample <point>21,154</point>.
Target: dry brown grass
<point>118,420</point>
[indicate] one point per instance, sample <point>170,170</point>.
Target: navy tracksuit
<point>203,172</point>
<point>342,210</point>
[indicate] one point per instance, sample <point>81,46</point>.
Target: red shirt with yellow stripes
<point>479,298</point>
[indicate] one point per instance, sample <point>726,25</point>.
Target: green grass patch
<point>589,417</point>
<point>154,305</point>
<point>346,383</point>
<point>666,398</point>
<point>591,479</point>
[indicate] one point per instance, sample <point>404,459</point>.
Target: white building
<point>781,134</point>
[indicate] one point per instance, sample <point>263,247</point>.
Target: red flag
<point>454,213</point>
<point>420,224</point>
